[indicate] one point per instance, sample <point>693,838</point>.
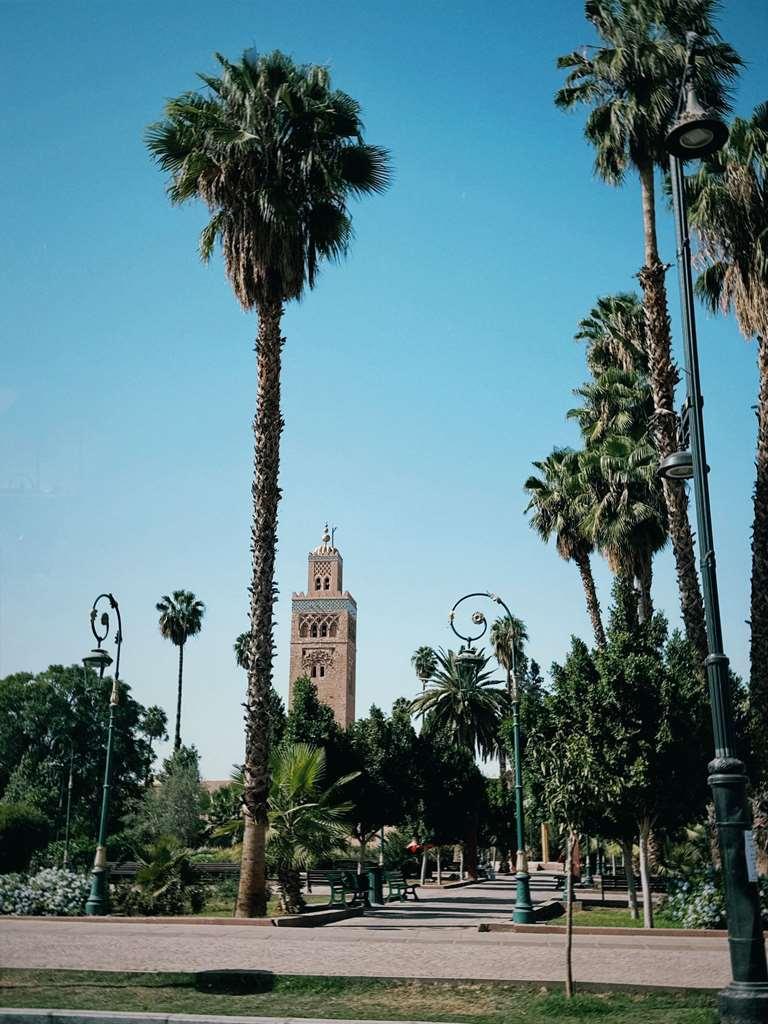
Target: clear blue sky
<point>421,377</point>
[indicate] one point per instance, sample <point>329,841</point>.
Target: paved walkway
<point>434,938</point>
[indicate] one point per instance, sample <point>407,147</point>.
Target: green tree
<point>424,663</point>
<point>23,831</point>
<point>555,497</point>
<point>464,703</point>
<point>40,714</point>
<point>728,209</point>
<point>306,822</point>
<point>275,154</point>
<point>174,807</point>
<point>631,80</point>
<point>181,616</point>
<point>154,725</point>
<point>615,336</point>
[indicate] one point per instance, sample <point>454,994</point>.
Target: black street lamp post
<point>98,900</point>
<point>523,912</point>
<point>696,134</point>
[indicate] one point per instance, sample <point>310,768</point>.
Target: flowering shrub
<point>700,902</point>
<point>53,891</point>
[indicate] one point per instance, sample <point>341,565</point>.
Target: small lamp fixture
<point>677,466</point>
<point>469,657</point>
<point>98,660</point>
<point>696,133</point>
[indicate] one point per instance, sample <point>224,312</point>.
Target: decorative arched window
<point>317,583</point>
<point>324,630</point>
<point>303,630</point>
<point>313,630</point>
<point>314,671</point>
<point>322,671</point>
<point>334,629</point>
<point>327,583</point>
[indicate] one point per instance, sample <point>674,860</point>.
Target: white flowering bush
<point>52,891</point>
<point>700,902</point>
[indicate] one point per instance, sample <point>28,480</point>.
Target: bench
<point>398,887</point>
<point>614,883</point>
<point>347,883</point>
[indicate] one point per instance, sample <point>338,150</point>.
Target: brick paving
<point>434,938</point>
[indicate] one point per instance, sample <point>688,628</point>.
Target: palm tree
<point>424,662</point>
<point>622,508</point>
<point>614,332</point>
<point>463,703</point>
<point>555,498</point>
<point>181,616</point>
<point>632,82</point>
<point>729,214</point>
<point>275,154</point>
<point>306,822</point>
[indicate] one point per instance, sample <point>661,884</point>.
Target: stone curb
<point>311,919</point>
<point>12,1016</point>
<point>644,933</point>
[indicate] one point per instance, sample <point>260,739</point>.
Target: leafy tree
<point>71,703</point>
<point>154,725</point>
<point>384,750</point>
<point>275,154</point>
<point>23,831</point>
<point>174,807</point>
<point>463,703</point>
<point>181,616</point>
<point>555,499</point>
<point>614,333</point>
<point>728,209</point>
<point>306,822</point>
<point>631,81</point>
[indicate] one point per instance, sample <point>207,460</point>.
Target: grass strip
<point>352,998</point>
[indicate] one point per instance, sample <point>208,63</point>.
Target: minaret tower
<point>324,632</point>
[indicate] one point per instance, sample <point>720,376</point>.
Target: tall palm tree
<point>181,616</point>
<point>276,154</point>
<point>631,81</point>
<point>424,661</point>
<point>463,703</point>
<point>555,497</point>
<point>729,213</point>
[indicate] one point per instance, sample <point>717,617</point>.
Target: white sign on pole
<point>750,851</point>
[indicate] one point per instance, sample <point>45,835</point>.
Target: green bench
<point>347,883</point>
<point>397,886</point>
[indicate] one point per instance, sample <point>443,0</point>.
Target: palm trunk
<point>758,652</point>
<point>645,881</point>
<point>663,378</point>
<point>177,737</point>
<point>590,592</point>
<point>644,577</point>
<point>629,871</point>
<point>251,893</point>
<point>439,865</point>
<point>289,885</point>
<point>267,427</point>
<point>423,877</point>
<point>470,852</point>
<point>569,914</point>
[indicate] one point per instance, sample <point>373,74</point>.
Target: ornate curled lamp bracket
<point>478,619</point>
<point>100,626</point>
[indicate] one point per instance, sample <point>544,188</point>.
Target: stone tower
<point>324,632</point>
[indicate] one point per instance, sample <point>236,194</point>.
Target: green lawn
<point>218,907</point>
<point>356,999</point>
<point>609,917</point>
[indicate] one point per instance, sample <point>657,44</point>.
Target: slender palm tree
<point>424,663</point>
<point>181,616</point>
<point>555,497</point>
<point>729,214</point>
<point>632,82</point>
<point>276,154</point>
<point>463,703</point>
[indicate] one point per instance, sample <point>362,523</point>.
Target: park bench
<point>546,880</point>
<point>346,883</point>
<point>398,887</point>
<point>613,883</point>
